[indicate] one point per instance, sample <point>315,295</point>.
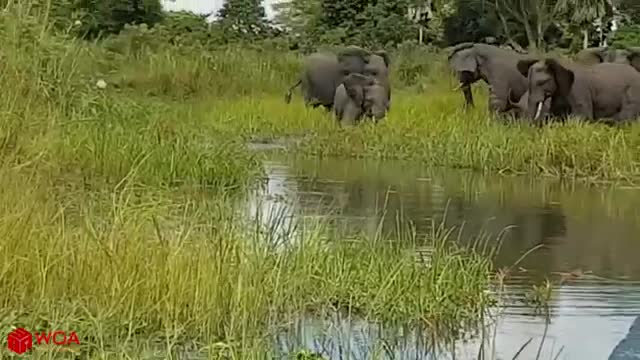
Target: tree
<point>630,8</point>
<point>385,23</point>
<point>472,21</point>
<point>102,17</point>
<point>535,17</point>
<point>358,22</point>
<point>584,13</point>
<point>301,21</point>
<point>244,18</point>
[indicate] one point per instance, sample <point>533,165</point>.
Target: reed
<point>119,208</point>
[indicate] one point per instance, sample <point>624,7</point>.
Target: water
<point>592,232</point>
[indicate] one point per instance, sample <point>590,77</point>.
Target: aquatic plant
<point>119,214</point>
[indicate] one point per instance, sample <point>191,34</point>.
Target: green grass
<point>118,218</point>
<point>239,93</point>
<point>431,128</point>
<point>117,205</point>
<point>136,265</point>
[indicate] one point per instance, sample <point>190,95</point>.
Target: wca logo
<point>20,340</point>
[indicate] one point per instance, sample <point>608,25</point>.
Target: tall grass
<point>432,128</point>
<point>117,213</point>
<point>145,267</point>
<point>239,92</point>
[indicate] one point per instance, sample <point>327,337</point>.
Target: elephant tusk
<point>458,87</point>
<point>538,111</point>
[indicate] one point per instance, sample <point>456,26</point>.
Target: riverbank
<point>138,267</point>
<point>119,189</point>
<point>237,92</point>
<point>432,128</point>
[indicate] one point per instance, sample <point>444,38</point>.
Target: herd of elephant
<point>599,84</point>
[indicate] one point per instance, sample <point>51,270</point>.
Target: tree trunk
<point>505,26</point>
<point>539,30</point>
<point>602,41</point>
<point>585,38</point>
<point>530,36</point>
<point>615,21</point>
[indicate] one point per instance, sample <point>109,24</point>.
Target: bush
<point>628,35</point>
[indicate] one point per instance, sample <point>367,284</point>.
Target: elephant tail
<point>287,96</point>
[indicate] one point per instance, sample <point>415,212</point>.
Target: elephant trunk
<point>468,96</point>
<point>378,115</point>
<point>467,78</point>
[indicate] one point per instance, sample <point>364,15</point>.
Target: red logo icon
<point>19,341</point>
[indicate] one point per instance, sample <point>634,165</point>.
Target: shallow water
<point>592,232</point>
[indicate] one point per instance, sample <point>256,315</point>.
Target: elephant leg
<point>630,110</point>
<point>350,115</point>
<point>583,110</point>
<point>313,103</point>
<point>498,103</point>
<point>348,122</point>
<point>627,115</point>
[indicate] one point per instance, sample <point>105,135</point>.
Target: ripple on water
<point>580,229</point>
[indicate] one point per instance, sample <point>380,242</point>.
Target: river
<point>591,232</point>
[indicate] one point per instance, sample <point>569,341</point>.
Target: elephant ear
<point>465,60</point>
<point>385,56</point>
<point>524,65</point>
<point>564,77</point>
<point>355,84</point>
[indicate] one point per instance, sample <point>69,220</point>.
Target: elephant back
<point>322,74</point>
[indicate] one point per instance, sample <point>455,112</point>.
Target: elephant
<point>518,107</point>
<point>495,66</point>
<point>606,91</point>
<point>323,72</point>
<point>597,55</point>
<point>360,96</point>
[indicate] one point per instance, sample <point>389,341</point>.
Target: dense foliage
<point>306,24</point>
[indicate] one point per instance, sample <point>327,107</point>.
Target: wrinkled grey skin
<point>606,91</point>
<point>323,72</point>
<point>495,66</point>
<point>360,96</point>
<point>597,55</point>
<point>518,108</point>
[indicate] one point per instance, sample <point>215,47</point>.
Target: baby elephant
<point>360,96</point>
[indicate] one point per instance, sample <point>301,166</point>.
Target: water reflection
<point>584,328</point>
<point>580,227</point>
<point>593,230</point>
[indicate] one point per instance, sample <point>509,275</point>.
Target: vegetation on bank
<point>134,270</point>
<point>118,214</point>
<point>238,91</point>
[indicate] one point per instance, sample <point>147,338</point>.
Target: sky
<point>206,6</point>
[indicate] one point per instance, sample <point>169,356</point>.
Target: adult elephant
<point>597,55</point>
<point>602,91</point>
<point>323,72</point>
<point>495,66</point>
<point>518,108</point>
